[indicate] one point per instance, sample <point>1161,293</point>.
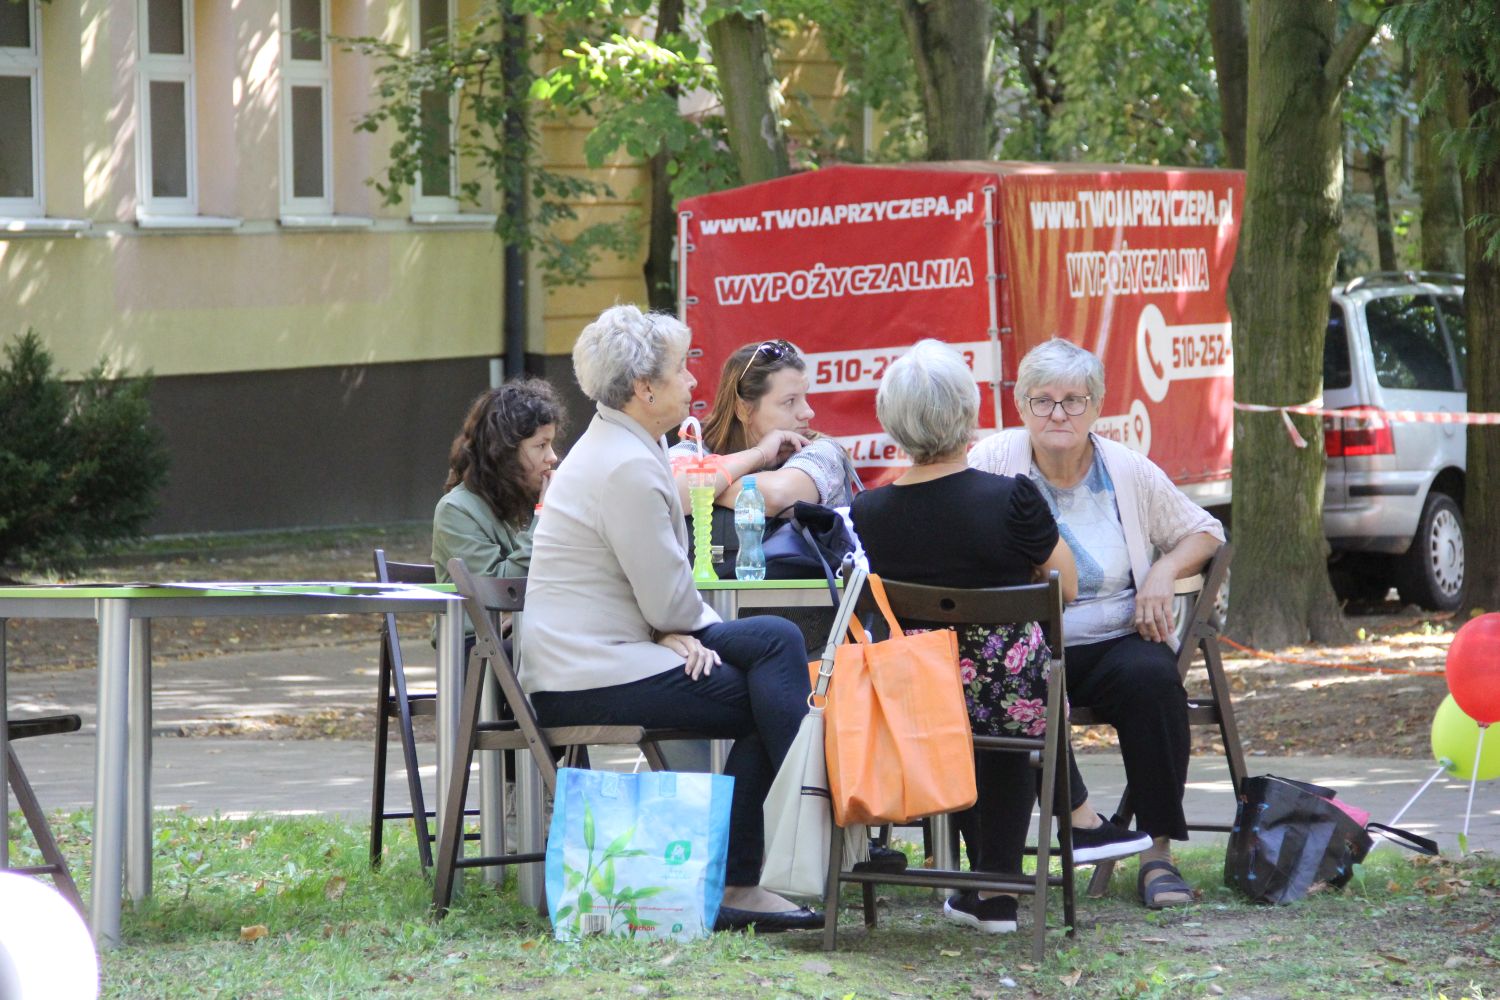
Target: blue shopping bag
<point>637,855</point>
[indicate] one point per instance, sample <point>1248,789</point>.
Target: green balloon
<point>1455,736</point>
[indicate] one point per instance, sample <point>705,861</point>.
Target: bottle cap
<point>748,483</point>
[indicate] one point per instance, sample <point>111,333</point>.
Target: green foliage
<point>1132,82</point>
<point>1462,39</point>
<point>80,464</point>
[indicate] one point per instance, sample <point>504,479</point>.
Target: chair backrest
<point>1033,602</point>
<point>1205,622</point>
<point>387,571</point>
<point>485,599</point>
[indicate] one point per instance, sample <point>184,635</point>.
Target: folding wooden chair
<point>394,700</point>
<point>1202,635</point>
<point>1041,603</point>
<point>56,865</point>
<point>484,599</point>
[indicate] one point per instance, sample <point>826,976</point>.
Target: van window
<point>1408,344</point>
<point>1336,351</point>
<point>1454,320</point>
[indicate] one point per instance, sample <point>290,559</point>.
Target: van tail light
<point>1358,431</point>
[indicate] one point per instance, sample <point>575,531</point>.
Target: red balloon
<point>1474,668</point>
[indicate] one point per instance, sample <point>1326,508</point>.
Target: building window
<point>437,185</point>
<point>168,169</point>
<point>306,163</point>
<point>20,111</point>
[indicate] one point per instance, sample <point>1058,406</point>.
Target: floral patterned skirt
<point>1004,674</point>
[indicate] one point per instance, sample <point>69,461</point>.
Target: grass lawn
<point>277,907</point>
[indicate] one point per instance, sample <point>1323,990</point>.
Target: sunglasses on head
<point>772,350</point>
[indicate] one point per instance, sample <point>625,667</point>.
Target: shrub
<point>80,465</point>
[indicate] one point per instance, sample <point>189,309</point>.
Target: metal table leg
<point>138,804</point>
<point>110,769</point>
<point>531,834</point>
<point>450,689</point>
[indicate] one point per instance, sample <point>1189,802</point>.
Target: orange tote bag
<point>898,740</point>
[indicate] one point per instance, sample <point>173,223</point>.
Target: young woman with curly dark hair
<point>498,469</point>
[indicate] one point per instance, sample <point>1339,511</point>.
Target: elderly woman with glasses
<point>1133,535</point>
<point>761,424</point>
<point>615,631</point>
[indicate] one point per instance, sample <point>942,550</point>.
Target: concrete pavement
<point>235,775</point>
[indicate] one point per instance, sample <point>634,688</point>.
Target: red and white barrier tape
<point>1376,418</point>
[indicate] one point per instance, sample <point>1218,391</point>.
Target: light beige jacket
<point>609,565</point>
<point>1155,514</point>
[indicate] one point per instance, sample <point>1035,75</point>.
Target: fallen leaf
<point>1216,989</point>
<point>949,954</point>
<point>527,945</point>
<point>335,886</point>
<point>1393,958</point>
<point>1071,979</point>
<point>253,933</point>
<point>669,959</point>
<point>1026,968</point>
<point>1153,940</point>
<point>1453,962</point>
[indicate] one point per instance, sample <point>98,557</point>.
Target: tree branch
<point>1346,52</point>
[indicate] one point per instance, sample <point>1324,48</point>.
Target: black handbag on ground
<point>1290,835</point>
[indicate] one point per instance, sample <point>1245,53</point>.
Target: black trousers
<point>756,697</point>
<point>1133,684</point>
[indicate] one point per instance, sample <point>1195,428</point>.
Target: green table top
<point>236,588</point>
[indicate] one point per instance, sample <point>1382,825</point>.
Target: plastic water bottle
<point>750,525</point>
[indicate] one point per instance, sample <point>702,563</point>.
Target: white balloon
<point>46,952</point>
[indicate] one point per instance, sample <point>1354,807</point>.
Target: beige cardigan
<point>609,565</point>
<point>1155,514</point>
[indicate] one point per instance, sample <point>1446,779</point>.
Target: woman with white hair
<point>1133,534</point>
<point>944,524</point>
<point>615,632</point>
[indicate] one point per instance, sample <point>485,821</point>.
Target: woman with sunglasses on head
<point>1133,535</point>
<point>760,424</point>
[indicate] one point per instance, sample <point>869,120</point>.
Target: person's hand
<point>1153,604</point>
<point>698,659</point>
<point>546,482</point>
<point>778,446</point>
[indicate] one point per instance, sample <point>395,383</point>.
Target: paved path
<point>235,775</point>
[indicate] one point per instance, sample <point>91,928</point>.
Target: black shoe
<point>886,860</point>
<point>996,915</point>
<point>800,919</point>
<point>1106,842</point>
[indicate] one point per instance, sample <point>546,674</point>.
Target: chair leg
<point>1104,870</point>
<point>414,784</point>
<point>451,830</point>
<point>1218,683</point>
<point>1065,836</point>
<point>831,889</point>
<point>36,819</point>
<point>382,733</point>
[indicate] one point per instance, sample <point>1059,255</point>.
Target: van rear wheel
<point>1432,571</point>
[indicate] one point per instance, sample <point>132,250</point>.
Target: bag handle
<point>843,619</point>
<point>1404,838</point>
<point>803,534</point>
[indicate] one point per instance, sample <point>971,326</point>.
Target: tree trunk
<point>1437,176</point>
<point>1229,32</point>
<point>662,223</point>
<point>1482,311</point>
<point>952,45</point>
<point>1385,237</point>
<point>752,98</point>
<point>1281,283</point>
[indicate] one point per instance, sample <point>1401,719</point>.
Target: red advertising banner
<point>1134,265</point>
<point>853,266</point>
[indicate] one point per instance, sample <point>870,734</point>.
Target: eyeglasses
<point>1073,406</point>
<point>774,350</point>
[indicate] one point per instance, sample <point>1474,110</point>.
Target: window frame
<point>306,73</point>
<point>434,205</point>
<point>26,63</point>
<point>165,68</point>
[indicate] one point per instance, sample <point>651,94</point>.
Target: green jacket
<point>464,527</point>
